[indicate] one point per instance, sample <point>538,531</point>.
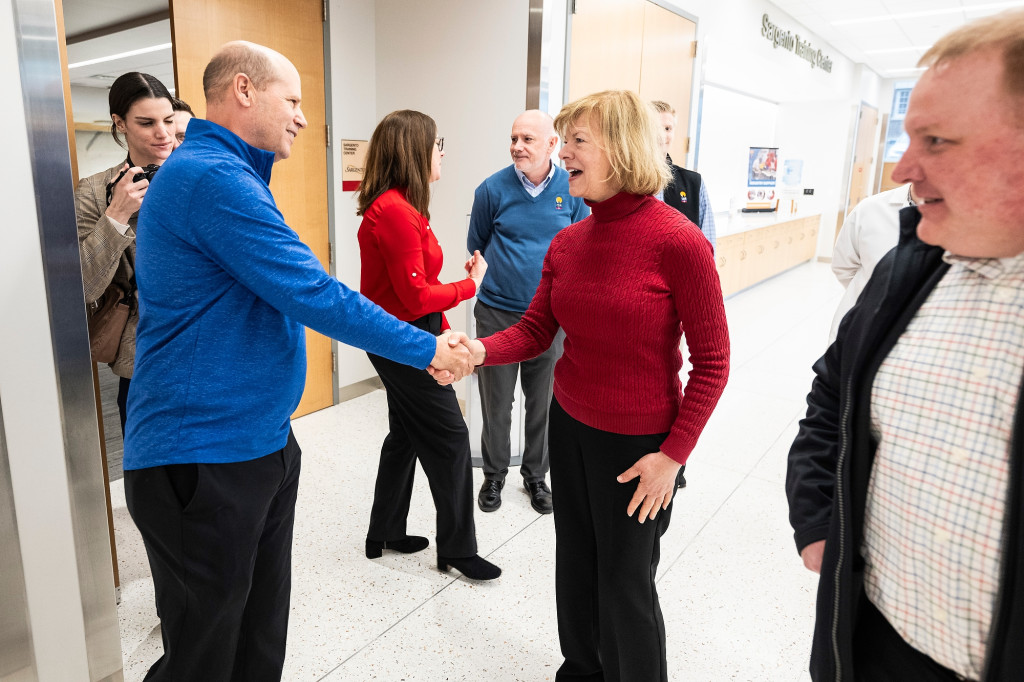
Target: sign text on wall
<point>792,42</point>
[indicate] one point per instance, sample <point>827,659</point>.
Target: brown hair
<point>181,105</point>
<point>625,129</point>
<point>399,155</point>
<point>1003,32</point>
<point>240,56</point>
<point>128,89</point>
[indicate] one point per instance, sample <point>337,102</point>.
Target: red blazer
<point>401,259</point>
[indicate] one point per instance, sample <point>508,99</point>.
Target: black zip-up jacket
<point>830,466</point>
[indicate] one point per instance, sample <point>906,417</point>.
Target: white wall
<point>463,62</point>
<point>748,81</point>
<point>353,94</point>
<point>459,61</point>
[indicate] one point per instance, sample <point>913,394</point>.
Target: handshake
<point>456,357</point>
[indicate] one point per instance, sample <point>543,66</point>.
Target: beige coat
<point>107,255</point>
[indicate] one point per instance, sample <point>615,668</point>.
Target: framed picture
<point>762,167</point>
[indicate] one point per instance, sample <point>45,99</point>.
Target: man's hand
<point>812,555</point>
<point>657,472</point>
<point>458,339</point>
<point>451,357</point>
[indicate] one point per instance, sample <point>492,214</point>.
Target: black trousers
<point>219,542</point>
<point>881,655</point>
<point>610,625</point>
<point>122,400</point>
<point>497,385</point>
<point>426,424</point>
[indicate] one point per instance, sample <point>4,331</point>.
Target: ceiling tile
<point>926,31</point>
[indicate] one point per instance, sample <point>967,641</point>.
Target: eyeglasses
<point>440,144</point>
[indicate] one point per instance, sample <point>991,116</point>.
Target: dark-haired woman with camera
<point>107,204</point>
<point>401,260</point>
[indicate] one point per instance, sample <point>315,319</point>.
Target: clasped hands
<point>456,357</point>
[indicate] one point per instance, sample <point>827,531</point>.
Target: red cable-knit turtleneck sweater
<point>625,284</point>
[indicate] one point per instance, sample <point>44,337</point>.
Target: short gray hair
<point>240,56</point>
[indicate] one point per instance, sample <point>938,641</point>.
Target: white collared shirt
<point>535,190</point>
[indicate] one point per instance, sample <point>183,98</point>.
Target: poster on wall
<point>353,158</point>
<point>762,166</point>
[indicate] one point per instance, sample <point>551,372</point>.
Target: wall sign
<point>353,159</point>
<point>792,42</point>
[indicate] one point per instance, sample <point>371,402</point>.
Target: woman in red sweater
<point>625,284</point>
<point>401,259</point>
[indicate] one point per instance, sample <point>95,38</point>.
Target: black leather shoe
<point>540,496</point>
<point>489,498</point>
<point>473,567</point>
<point>407,545</point>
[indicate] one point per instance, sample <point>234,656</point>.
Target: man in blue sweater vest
<point>516,213</point>
<point>225,287</point>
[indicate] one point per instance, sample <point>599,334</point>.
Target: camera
<point>147,174</point>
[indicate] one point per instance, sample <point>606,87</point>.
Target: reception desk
<point>755,246</point>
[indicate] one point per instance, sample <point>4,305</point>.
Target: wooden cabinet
<point>746,258</point>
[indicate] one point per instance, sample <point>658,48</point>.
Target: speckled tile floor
<point>738,604</point>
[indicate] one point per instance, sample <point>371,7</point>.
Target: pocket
<point>184,482</point>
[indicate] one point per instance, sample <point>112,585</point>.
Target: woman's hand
<point>476,350</point>
<point>476,267</point>
<point>127,196</point>
<point>657,472</point>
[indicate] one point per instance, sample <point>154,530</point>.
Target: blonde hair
<point>625,129</point>
<point>1003,32</point>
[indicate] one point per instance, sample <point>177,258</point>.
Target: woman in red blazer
<point>401,260</point>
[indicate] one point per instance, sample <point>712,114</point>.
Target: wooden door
<point>860,178</point>
<point>295,29</point>
<point>666,69</point>
<point>634,45</point>
<point>607,46</point>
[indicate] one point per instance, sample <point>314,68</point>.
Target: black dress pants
<point>881,655</point>
<point>426,424</point>
<point>122,401</point>
<point>219,542</point>
<point>610,625</point>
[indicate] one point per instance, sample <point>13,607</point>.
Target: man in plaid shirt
<point>905,480</point>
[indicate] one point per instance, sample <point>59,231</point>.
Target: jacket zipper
<point>843,423</point>
<point>1008,535</point>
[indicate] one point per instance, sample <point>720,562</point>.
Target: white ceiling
<point>888,35</point>
<point>140,40</point>
<point>81,16</point>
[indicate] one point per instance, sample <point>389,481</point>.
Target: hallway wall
<point>461,62</point>
<point>464,63</point>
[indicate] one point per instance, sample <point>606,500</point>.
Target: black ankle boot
<point>407,545</point>
<point>473,567</point>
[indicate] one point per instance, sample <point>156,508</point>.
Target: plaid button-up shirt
<point>942,406</point>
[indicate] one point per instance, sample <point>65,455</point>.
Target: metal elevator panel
<point>16,660</point>
<point>81,482</point>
